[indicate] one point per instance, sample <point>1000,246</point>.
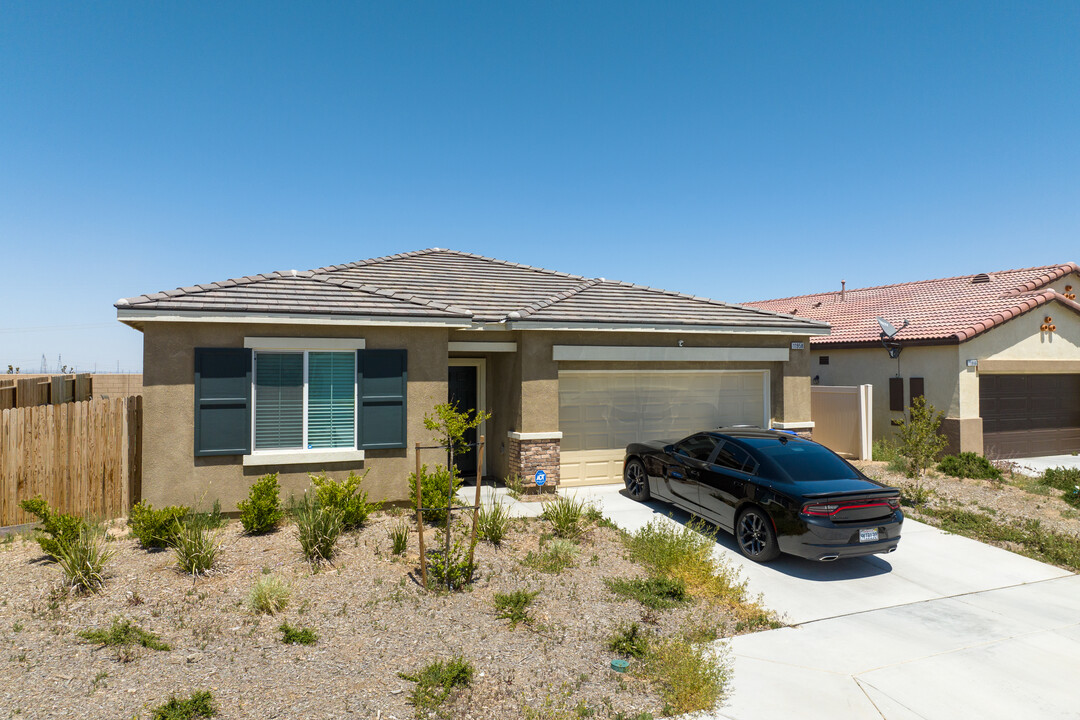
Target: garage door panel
<point>601,413</point>
<point>1029,415</point>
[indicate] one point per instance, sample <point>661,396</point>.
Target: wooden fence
<point>21,392</point>
<point>84,458</point>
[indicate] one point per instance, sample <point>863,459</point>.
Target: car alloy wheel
<point>637,482</point>
<point>756,537</point>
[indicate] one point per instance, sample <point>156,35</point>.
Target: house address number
<point>796,346</point>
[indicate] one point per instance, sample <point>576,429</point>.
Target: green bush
<point>1062,478</point>
<point>556,557</point>
<point>346,496</point>
<point>318,527</point>
<point>434,486</point>
<point>969,465</point>
<point>493,522</point>
<point>920,438</point>
<point>156,529</point>
<point>452,571</point>
<point>654,592</point>
<point>269,595</point>
<point>628,640</point>
<point>297,636</point>
<point>514,606</point>
<point>399,537</point>
<point>436,680</point>
<point>691,677</point>
<point>212,519</point>
<point>196,549</point>
<point>55,528</point>
<point>566,515</point>
<point>262,512</point>
<point>124,633</point>
<point>83,560</point>
<point>884,451</point>
<point>199,705</point>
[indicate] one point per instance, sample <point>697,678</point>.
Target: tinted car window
<point>805,461</point>
<point>699,447</point>
<point>733,457</point>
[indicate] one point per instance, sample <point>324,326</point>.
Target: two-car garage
<point>602,411</point>
<point>1030,415</point>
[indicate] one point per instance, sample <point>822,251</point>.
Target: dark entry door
<point>463,393</point>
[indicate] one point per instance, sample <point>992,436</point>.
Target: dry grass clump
<point>269,595</point>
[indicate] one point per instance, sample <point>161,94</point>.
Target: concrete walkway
<point>944,628</point>
<point>1039,465</point>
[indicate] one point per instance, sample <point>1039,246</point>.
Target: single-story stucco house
<point>334,370</point>
<point>998,353</point>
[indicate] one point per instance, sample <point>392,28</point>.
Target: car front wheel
<point>637,481</point>
<point>756,537</point>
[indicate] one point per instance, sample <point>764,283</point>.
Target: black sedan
<point>774,491</point>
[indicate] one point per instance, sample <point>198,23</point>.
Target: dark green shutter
<point>222,401</point>
<point>382,381</point>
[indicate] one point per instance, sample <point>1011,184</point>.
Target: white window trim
<point>302,455</point>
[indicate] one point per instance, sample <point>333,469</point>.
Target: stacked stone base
<point>528,456</point>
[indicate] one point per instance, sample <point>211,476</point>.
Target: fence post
<point>420,519</point>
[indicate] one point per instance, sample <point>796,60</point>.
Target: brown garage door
<point>1030,415</point>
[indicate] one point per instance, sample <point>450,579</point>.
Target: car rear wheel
<point>755,535</point>
<point>637,481</point>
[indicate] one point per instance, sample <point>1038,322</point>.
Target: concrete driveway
<point>1039,465</point>
<point>945,627</point>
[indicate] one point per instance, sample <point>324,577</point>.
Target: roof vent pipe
<point>843,283</point>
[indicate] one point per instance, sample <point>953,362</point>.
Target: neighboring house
<point>998,353</point>
<point>334,369</point>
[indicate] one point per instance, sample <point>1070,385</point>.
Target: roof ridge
<point>217,285</point>
<point>1009,313</point>
<point>1066,268</point>
<point>522,266</point>
<point>392,294</point>
<point>551,300</point>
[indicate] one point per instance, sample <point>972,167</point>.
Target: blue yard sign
<point>541,477</point>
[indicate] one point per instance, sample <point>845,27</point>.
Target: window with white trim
<point>304,400</point>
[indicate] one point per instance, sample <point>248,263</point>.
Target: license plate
<point>868,535</point>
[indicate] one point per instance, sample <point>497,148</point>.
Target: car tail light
<point>894,502</point>
<point>819,509</point>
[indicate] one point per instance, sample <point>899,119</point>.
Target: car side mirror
<point>669,449</point>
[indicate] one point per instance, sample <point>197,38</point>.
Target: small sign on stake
<point>540,478</point>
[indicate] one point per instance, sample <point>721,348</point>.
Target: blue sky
<point>738,151</point>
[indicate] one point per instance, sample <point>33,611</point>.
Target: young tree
<point>920,437</point>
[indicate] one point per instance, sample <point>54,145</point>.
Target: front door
<point>463,386</point>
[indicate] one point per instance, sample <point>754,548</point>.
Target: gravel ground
<point>1000,499</point>
<point>372,618</point>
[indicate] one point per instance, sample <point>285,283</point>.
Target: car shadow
<point>796,567</point>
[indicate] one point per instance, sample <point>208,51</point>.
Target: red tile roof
<point>945,311</point>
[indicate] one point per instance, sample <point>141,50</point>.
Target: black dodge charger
<point>774,491</point>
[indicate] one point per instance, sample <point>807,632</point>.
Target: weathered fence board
<point>84,458</point>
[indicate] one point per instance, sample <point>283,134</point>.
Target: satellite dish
<point>887,328</point>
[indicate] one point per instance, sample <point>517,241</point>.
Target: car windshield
<point>805,461</point>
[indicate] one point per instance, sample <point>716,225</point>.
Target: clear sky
<point>740,151</point>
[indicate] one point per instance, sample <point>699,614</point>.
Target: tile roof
<point>455,286</point>
<point>948,310</point>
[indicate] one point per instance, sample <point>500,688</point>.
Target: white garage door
<point>601,412</point>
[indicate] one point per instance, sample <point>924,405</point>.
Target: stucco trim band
<point>302,343</point>
<point>804,425</point>
<point>1029,367</point>
<point>302,457</point>
<point>615,353</point>
<point>534,435</point>
<point>482,347</point>
<point>141,316</point>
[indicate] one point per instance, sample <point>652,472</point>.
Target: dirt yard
<point>372,618</point>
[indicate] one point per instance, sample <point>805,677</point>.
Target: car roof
<point>738,432</point>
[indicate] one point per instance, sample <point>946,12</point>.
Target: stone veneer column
<point>530,452</point>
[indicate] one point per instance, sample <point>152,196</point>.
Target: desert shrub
<point>434,487</point>
<point>514,606</point>
<point>916,495</point>
<point>297,636</point>
<point>969,465</point>
<point>493,522</point>
<point>123,633</point>
<point>83,560</point>
<point>920,438</point>
<point>399,537</point>
<point>654,592</point>
<point>691,677</point>
<point>262,512</point>
<point>628,640</point>
<point>436,680</point>
<point>196,548</point>
<point>685,552</point>
<point>55,528</point>
<point>885,450</point>
<point>346,496</point>
<point>452,571</point>
<point>566,515</point>
<point>515,485</point>
<point>199,705</point>
<point>1062,478</point>
<point>318,528</point>
<point>269,595</point>
<point>559,555</point>
<point>156,529</point>
<point>212,519</point>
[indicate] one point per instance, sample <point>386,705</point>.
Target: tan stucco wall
<point>171,473</point>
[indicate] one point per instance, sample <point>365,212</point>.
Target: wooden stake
<point>420,519</point>
<point>476,505</point>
